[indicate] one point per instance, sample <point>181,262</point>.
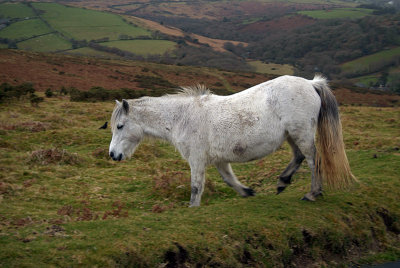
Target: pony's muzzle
<point>115,157</point>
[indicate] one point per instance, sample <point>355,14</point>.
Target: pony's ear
<point>125,105</point>
<point>117,102</point>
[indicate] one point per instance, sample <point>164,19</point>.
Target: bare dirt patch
<point>216,44</point>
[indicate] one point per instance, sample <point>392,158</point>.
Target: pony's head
<point>126,134</point>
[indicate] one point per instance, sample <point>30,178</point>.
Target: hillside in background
<point>312,36</point>
<point>54,72</point>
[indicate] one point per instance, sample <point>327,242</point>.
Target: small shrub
<point>63,91</point>
<point>49,93</point>
<point>35,100</point>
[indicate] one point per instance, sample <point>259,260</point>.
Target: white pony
<point>209,129</point>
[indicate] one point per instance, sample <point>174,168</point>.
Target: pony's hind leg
<point>229,177</point>
<point>316,182</point>
<point>307,147</point>
<point>286,176</point>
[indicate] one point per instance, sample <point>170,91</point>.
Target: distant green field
<point>272,68</point>
<point>366,64</point>
<point>368,80</point>
<point>372,79</point>
<point>25,29</point>
<point>339,13</point>
<point>15,10</point>
<point>45,43</point>
<point>87,51</point>
<point>143,47</point>
<point>86,24</point>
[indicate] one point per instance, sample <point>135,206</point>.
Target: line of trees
<point>20,92</point>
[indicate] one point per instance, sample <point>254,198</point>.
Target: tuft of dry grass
<point>53,156</point>
<point>101,153</point>
<point>31,126</point>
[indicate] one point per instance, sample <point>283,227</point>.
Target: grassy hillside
<point>25,29</point>
<point>271,68</point>
<point>86,24</point>
<point>64,203</point>
<point>53,71</point>
<point>15,10</point>
<point>45,43</point>
<point>143,47</point>
<point>340,13</point>
<point>370,63</point>
<point>51,27</point>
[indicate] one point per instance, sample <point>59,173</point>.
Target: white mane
<point>196,90</point>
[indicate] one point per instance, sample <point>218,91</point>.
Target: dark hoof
<point>308,197</point>
<point>280,189</point>
<point>249,192</point>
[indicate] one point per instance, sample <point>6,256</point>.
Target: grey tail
<point>331,159</point>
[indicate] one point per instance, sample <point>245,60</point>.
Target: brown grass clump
<point>85,212</point>
<point>101,153</point>
<point>159,208</point>
<point>172,185</point>
<point>53,156</point>
<point>175,186</point>
<point>31,126</point>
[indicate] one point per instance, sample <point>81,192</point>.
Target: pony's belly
<point>249,153</point>
<point>244,152</point>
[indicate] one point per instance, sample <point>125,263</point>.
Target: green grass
<point>25,29</point>
<point>368,80</point>
<point>372,79</point>
<point>339,13</point>
<point>15,10</point>
<point>143,47</point>
<point>272,68</point>
<point>87,51</point>
<point>84,210</point>
<point>45,43</point>
<point>86,24</point>
<point>367,64</point>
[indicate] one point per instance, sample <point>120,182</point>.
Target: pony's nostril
<point>112,154</point>
<point>120,157</point>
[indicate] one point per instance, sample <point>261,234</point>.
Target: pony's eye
<point>120,126</point>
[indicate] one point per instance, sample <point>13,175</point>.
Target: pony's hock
<point>258,121</point>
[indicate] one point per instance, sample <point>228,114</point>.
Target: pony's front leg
<point>229,177</point>
<point>197,183</point>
